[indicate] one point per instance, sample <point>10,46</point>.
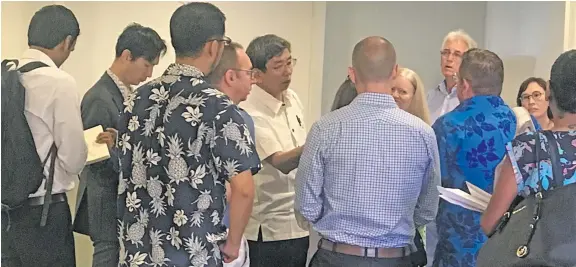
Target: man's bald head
<point>374,59</point>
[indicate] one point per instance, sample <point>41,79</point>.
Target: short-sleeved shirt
<point>179,140</point>
<point>250,124</point>
<point>279,127</point>
<point>522,153</point>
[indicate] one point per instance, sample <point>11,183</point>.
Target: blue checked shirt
<point>368,174</point>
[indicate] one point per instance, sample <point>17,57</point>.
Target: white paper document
<point>96,152</point>
<point>477,200</point>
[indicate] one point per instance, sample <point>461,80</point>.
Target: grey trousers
<point>325,258</point>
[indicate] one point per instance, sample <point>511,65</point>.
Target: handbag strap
<point>554,159</point>
<point>552,148</point>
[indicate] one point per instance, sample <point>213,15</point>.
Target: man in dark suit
<point>138,50</point>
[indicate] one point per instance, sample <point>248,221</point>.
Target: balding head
<point>374,60</point>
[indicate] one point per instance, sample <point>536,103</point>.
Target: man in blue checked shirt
<point>369,171</point>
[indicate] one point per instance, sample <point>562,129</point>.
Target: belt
<point>39,201</point>
<point>363,251</point>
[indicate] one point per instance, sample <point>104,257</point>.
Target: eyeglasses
<point>537,96</point>
<point>446,54</point>
<point>251,73</point>
<point>225,39</point>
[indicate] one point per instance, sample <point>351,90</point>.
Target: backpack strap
<point>49,182</point>
<point>31,66</point>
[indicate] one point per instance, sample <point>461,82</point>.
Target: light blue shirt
<point>440,101</point>
<point>368,174</point>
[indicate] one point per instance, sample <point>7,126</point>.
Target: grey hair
<point>484,70</point>
<point>264,48</point>
<point>459,35</point>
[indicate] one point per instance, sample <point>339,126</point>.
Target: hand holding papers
<point>477,200</point>
<point>96,152</point>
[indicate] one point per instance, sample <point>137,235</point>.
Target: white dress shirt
<point>440,101</point>
<point>52,110</point>
<point>279,127</point>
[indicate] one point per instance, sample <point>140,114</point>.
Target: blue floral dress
<point>523,156</point>
<point>472,141</point>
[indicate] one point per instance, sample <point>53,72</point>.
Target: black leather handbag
<point>418,257</point>
<point>541,229</point>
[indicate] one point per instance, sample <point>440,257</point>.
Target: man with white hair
<point>443,99</point>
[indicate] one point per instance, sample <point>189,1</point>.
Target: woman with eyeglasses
<point>532,96</point>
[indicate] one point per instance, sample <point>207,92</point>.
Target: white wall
<point>528,36</point>
<point>570,26</point>
<point>15,19</point>
<point>415,28</point>
<point>301,23</point>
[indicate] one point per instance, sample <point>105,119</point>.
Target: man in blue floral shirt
<point>180,140</point>
<point>471,142</point>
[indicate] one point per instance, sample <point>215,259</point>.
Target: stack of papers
<point>477,200</point>
<point>96,152</point>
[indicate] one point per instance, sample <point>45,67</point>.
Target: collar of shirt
<point>268,100</point>
<point>375,99</point>
<point>183,70</point>
<point>481,101</point>
<point>444,89</point>
<point>124,89</point>
<point>37,55</point>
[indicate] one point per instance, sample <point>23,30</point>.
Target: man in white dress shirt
<point>443,99</point>
<point>275,238</point>
<point>52,111</point>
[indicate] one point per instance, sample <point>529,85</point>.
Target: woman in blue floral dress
<point>519,175</point>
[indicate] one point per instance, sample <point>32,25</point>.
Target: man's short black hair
<point>142,42</point>
<point>264,48</point>
<point>194,24</point>
<point>51,25</point>
<point>484,70</point>
<point>563,82</point>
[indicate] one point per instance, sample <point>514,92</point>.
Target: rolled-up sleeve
<point>427,205</point>
<point>310,177</point>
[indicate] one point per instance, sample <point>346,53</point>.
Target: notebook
<point>96,152</point>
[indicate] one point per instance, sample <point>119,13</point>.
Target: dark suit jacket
<point>97,192</point>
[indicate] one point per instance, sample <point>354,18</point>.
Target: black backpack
<point>22,169</point>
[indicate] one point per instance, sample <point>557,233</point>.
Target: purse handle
<point>552,148</point>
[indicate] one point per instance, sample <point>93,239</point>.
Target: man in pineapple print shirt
<point>233,76</point>
<point>180,140</point>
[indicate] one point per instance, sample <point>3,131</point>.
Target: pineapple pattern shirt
<point>179,141</point>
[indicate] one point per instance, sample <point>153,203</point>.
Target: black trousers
<point>26,244</point>
<point>284,253</point>
<point>325,258</point>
